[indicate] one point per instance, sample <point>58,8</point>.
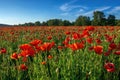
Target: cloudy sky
<point>21,11</point>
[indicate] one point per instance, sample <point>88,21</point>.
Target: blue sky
<point>21,11</point>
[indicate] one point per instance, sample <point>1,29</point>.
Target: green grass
<point>65,65</point>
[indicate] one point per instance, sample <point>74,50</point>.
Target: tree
<point>30,24</point>
<point>99,19</point>
<point>54,22</point>
<point>82,21</point>
<point>66,23</point>
<point>117,22</point>
<point>44,23</point>
<point>111,20</point>
<point>37,23</point>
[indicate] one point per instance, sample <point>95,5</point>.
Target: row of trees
<point>99,19</point>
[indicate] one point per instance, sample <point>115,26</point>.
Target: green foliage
<point>54,22</point>
<point>82,21</point>
<point>37,23</point>
<point>99,19</point>
<point>117,22</point>
<point>111,20</point>
<point>66,64</point>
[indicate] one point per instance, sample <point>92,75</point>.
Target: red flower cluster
<point>27,50</point>
<point>46,46</point>
<point>36,42</point>
<point>76,46</point>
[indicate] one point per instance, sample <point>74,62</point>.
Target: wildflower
<point>25,47</point>
<point>107,53</point>
<point>50,56</point>
<point>90,28</point>
<point>35,42</point>
<point>98,41</point>
<point>89,40</point>
<point>43,63</point>
<point>27,50</point>
<point>110,67</point>
<point>77,36</point>
<point>14,56</point>
<point>47,46</point>
<point>76,46</point>
<point>109,39</point>
<point>117,52</point>
<point>49,37</point>
<point>91,48</point>
<point>112,46</point>
<point>3,50</point>
<point>98,49</point>
<point>67,33</point>
<point>23,67</point>
<point>85,33</point>
<point>60,47</point>
<point>26,53</point>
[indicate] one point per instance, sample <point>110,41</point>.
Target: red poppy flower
<point>110,67</point>
<point>60,47</point>
<point>3,50</point>
<point>49,37</point>
<point>67,32</point>
<point>35,42</point>
<point>66,41</point>
<point>24,59</point>
<point>47,46</point>
<point>11,32</point>
<point>112,46</point>
<point>107,53</point>
<point>117,52</point>
<point>98,41</point>
<point>109,38</point>
<point>14,56</point>
<point>50,56</point>
<point>77,36</point>
<point>43,63</point>
<point>85,33</point>
<point>27,50</point>
<point>90,28</point>
<point>23,67</point>
<point>25,47</point>
<point>76,46</point>
<point>89,40</point>
<point>91,48</point>
<point>98,49</point>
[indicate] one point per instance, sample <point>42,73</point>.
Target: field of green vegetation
<point>60,53</point>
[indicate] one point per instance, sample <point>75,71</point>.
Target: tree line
<point>99,19</point>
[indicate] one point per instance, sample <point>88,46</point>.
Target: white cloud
<point>90,13</point>
<point>81,10</point>
<point>115,11</point>
<point>70,6</point>
<point>117,8</point>
<point>98,9</point>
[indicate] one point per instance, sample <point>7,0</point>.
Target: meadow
<point>60,53</point>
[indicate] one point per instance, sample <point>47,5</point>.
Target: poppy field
<point>60,53</point>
